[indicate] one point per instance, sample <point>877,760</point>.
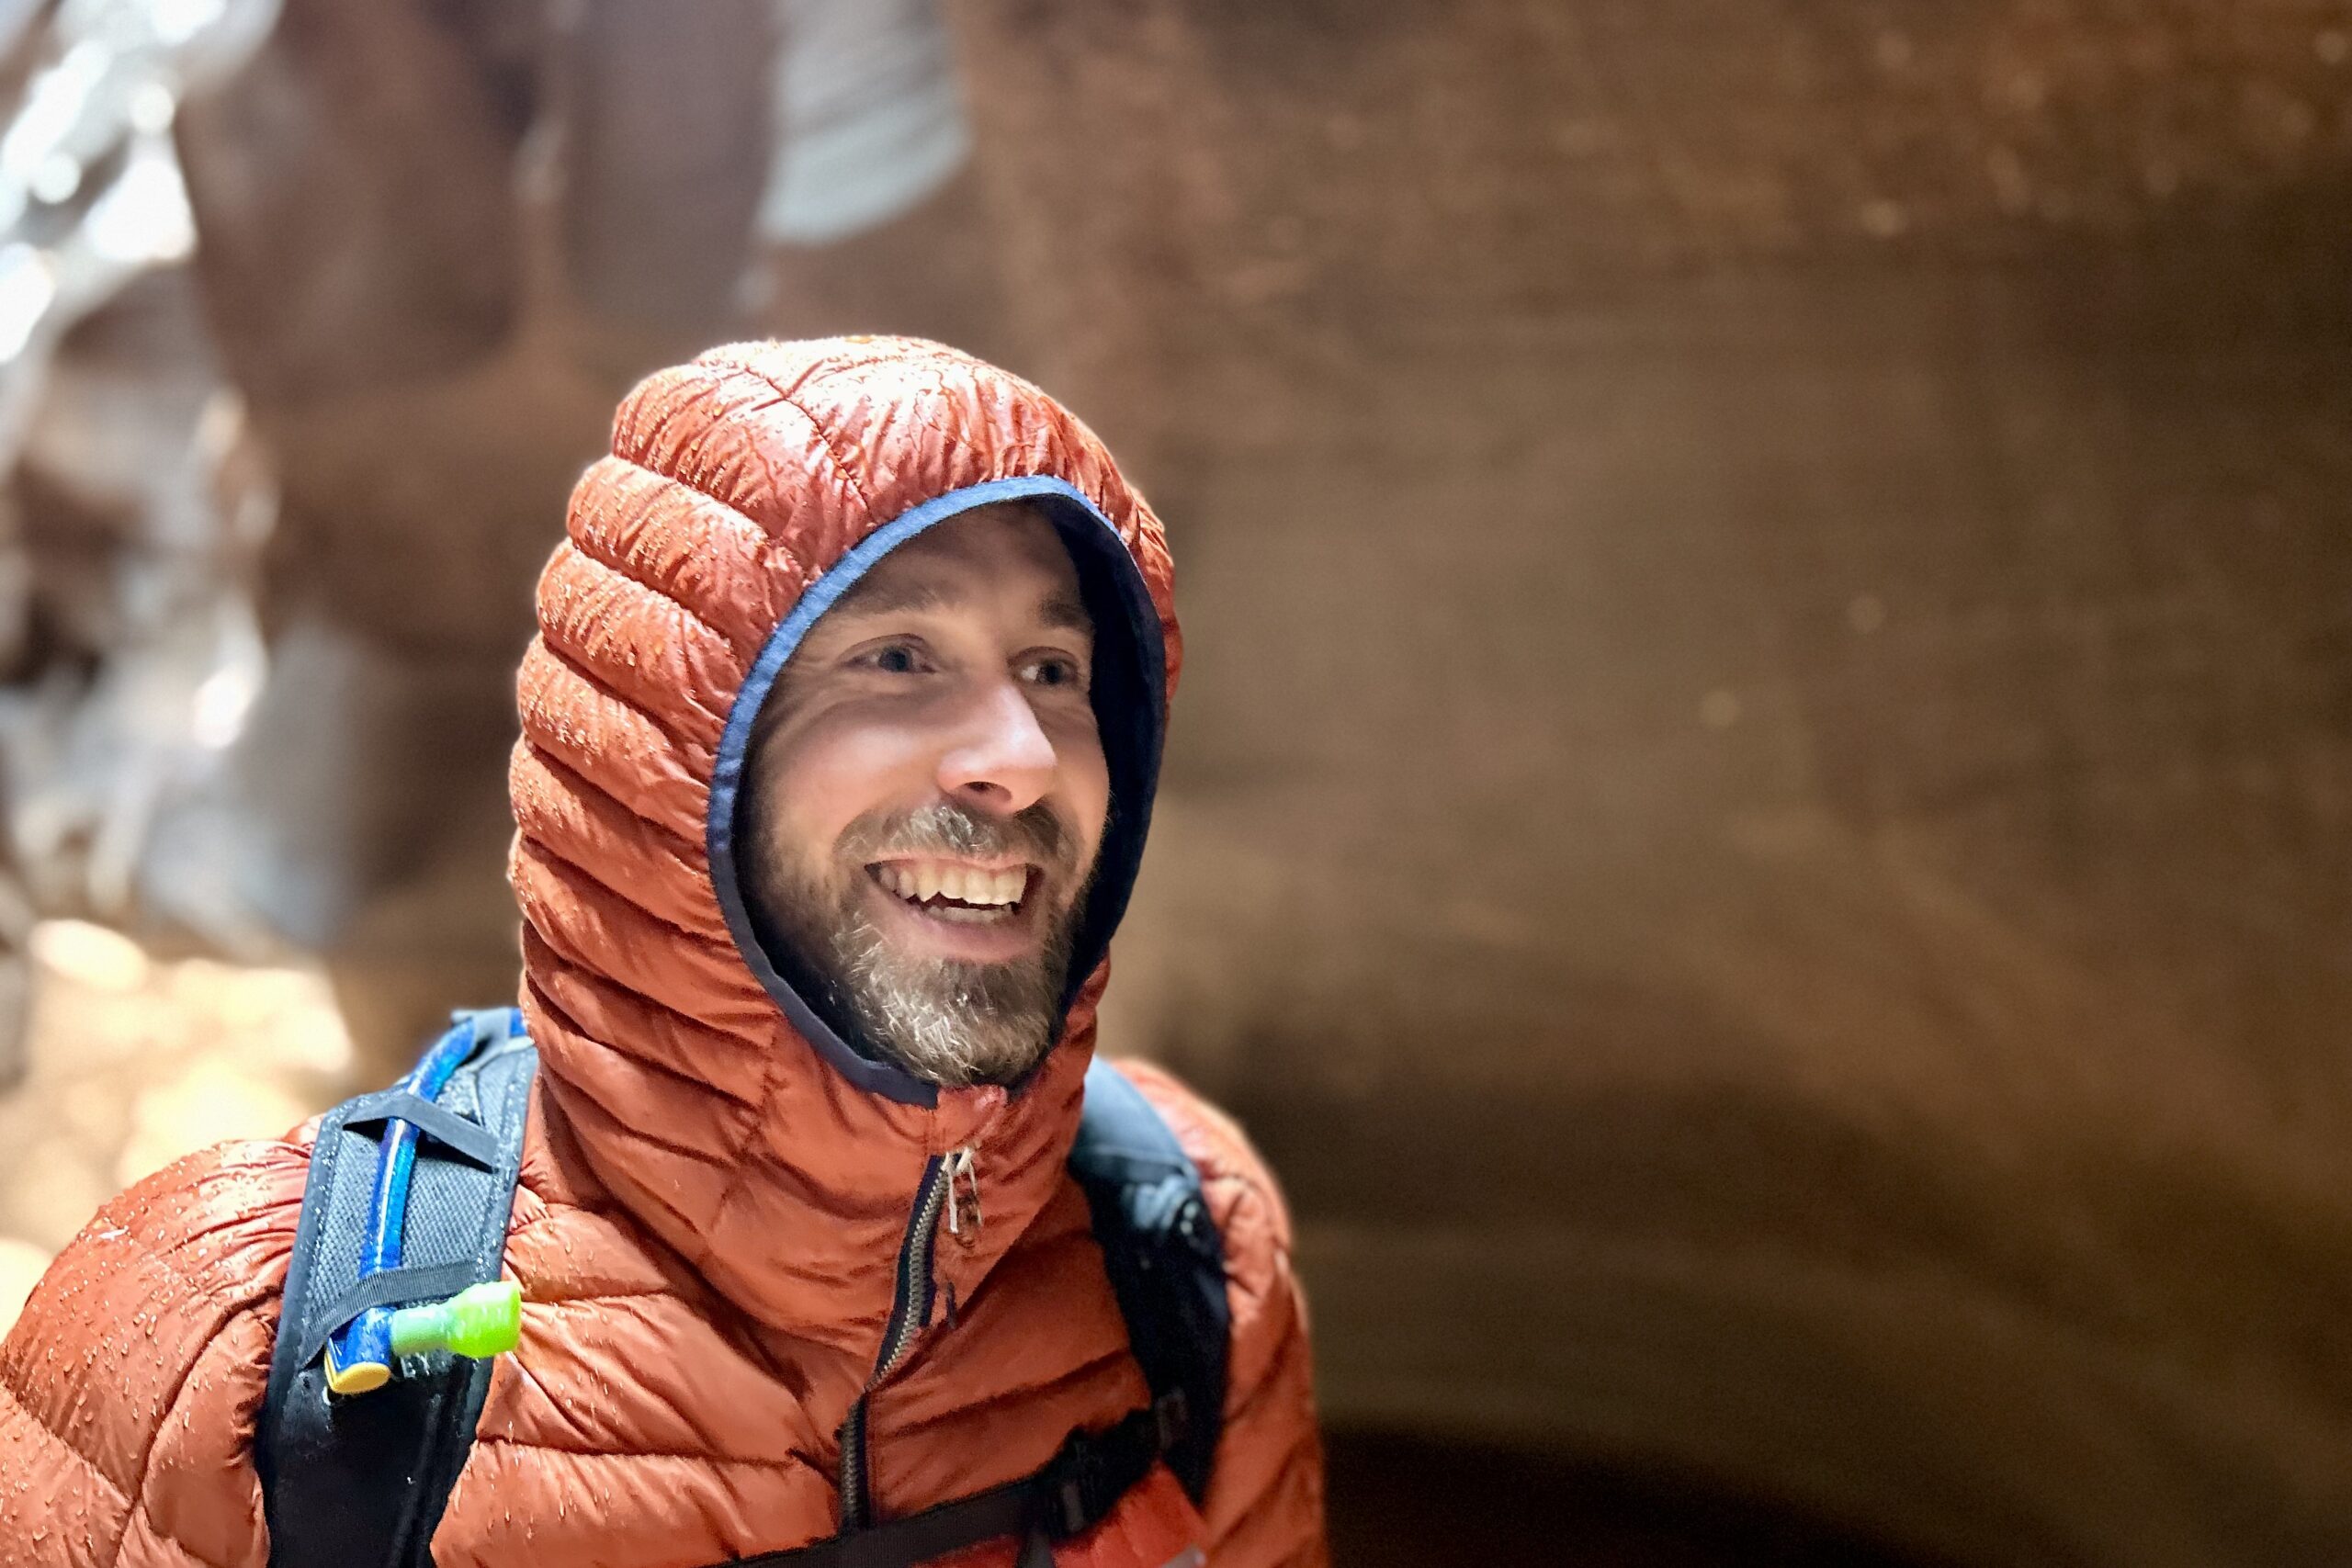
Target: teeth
<point>964,916</point>
<point>919,881</point>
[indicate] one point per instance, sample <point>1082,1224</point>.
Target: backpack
<point>408,1197</point>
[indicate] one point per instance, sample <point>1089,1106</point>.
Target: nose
<point>1002,762</point>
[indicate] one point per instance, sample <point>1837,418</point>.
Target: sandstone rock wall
<point>1759,817</point>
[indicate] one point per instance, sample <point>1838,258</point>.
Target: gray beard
<point>944,1020</point>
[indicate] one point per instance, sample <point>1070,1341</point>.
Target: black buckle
<point>1072,1497</point>
<point>1092,1472</point>
<point>1171,1418</point>
<point>1077,1486</point>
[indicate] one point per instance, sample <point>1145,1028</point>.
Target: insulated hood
<point>1130,708</point>
<point>746,494</point>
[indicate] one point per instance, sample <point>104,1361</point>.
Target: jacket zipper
<point>964,1208</point>
<point>911,1307</point>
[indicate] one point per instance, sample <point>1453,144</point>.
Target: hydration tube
<point>360,1355</point>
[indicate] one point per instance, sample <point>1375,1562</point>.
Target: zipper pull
<point>964,1195</point>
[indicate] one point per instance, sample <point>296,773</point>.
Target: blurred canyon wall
<point>1759,817</point>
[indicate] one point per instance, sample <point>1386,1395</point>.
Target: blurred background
<point>1758,822</point>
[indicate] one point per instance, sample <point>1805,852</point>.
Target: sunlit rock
<point>20,1268</point>
<point>90,956</point>
<point>212,1101</point>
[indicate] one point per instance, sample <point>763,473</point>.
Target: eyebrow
<point>1058,611</point>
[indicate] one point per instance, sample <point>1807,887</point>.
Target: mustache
<point>945,827</point>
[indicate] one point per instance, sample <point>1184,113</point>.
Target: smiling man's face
<point>925,798</point>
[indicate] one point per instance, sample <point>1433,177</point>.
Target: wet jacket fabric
<point>714,1193</point>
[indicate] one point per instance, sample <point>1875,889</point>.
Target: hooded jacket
<point>716,1191</point>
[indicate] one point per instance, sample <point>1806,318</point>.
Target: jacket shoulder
<point>131,1383</point>
<point>1243,1196</point>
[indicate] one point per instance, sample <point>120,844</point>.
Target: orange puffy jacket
<point>711,1206</point>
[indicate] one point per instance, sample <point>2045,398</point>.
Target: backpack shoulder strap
<point>1164,1259</point>
<point>357,1482</point>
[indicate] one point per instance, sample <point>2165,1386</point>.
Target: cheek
<point>828,776</point>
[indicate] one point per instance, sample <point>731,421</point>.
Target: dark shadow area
<point>1398,1500</point>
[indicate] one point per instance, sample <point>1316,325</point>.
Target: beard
<point>948,1021</point>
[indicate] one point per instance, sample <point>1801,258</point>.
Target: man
<point>839,742</point>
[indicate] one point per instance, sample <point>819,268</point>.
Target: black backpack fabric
<point>362,1480</point>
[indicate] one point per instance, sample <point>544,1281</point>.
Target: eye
<point>1055,671</point>
<point>894,658</point>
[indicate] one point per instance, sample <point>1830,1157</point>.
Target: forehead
<point>1005,554</point>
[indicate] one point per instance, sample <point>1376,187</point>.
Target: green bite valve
<point>478,1322</point>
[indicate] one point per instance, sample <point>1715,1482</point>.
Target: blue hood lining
<point>1130,709</point>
